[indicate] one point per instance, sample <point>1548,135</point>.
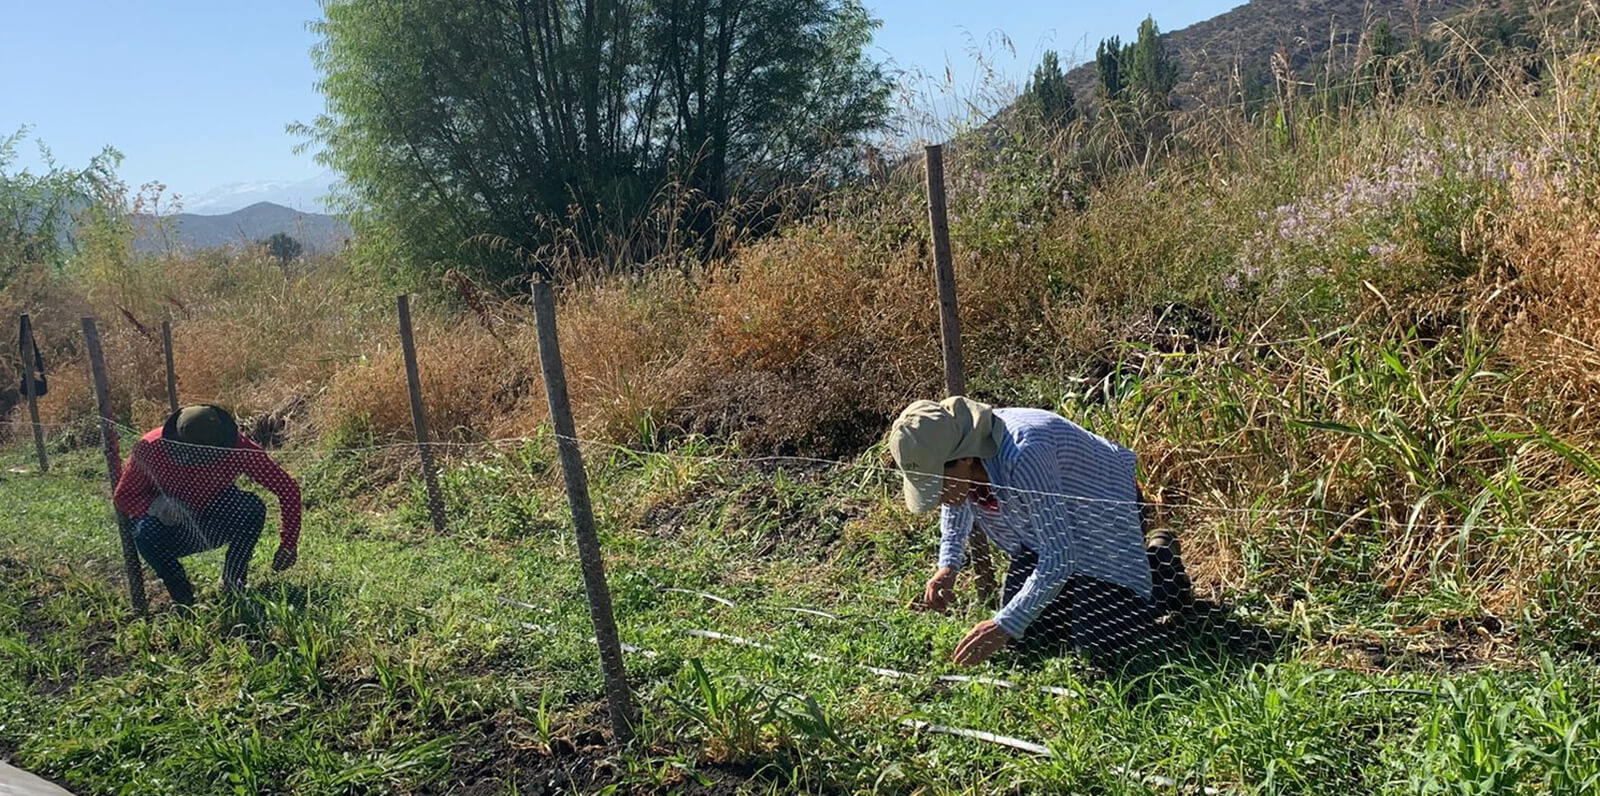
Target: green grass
<point>392,660</point>
<point>1368,459</point>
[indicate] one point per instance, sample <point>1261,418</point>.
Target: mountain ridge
<point>306,195</point>
<point>319,233</point>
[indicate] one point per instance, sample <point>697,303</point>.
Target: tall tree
<point>538,122</point>
<point>1048,93</point>
<point>282,246</point>
<point>1108,67</point>
<point>37,207</point>
<point>1151,72</point>
<point>1380,73</point>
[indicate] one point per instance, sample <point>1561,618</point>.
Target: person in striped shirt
<point>1065,506</point>
<point>180,491</point>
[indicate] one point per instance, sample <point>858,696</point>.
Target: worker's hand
<point>985,639</point>
<point>170,512</point>
<point>941,589</point>
<point>285,558</point>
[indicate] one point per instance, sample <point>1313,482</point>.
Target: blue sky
<point>197,94</point>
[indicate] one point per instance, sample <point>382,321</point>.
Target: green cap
<point>208,426</point>
<point>929,434</point>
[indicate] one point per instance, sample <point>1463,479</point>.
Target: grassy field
<point>1354,345</point>
<point>393,660</point>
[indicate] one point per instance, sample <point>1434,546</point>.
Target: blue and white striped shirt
<point>1066,494</point>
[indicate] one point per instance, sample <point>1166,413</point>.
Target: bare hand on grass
<point>985,639</point>
<point>941,589</point>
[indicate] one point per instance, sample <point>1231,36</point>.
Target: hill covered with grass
<point>1239,55</point>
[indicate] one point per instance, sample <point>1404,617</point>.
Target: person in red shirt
<point>180,491</point>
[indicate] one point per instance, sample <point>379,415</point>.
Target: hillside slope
<point>318,233</point>
<point>1215,54</point>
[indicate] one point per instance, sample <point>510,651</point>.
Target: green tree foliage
<point>1384,43</point>
<point>504,121</point>
<point>1142,70</point>
<point>106,262</point>
<point>1132,124</point>
<point>282,246</point>
<point>1048,94</point>
<point>37,208</point>
<point>1150,70</point>
<point>1108,67</point>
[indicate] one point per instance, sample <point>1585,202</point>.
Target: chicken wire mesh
<point>1093,573</point>
<point>811,565</point>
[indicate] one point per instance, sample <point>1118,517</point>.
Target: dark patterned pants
<point>235,519</point>
<point>1096,615</point>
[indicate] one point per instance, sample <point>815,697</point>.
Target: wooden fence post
<point>955,376</point>
<point>419,418</point>
<point>29,357</point>
<point>172,368</point>
<point>109,444</point>
<point>619,700</point>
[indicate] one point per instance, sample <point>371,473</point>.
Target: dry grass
<point>480,368</point>
<point>1544,294</point>
<point>245,335</point>
<point>810,356</point>
<point>1346,320</point>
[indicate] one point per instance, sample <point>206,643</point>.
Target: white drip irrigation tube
<point>550,630</point>
<point>998,683</point>
<point>892,674</point>
<point>525,606</point>
<point>877,670</point>
<point>978,735</point>
<point>712,597</point>
<point>731,604</point>
<point>1153,780</point>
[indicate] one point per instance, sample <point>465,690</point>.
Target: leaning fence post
<point>172,368</point>
<point>419,418</point>
<point>619,700</point>
<point>29,386</point>
<point>108,443</point>
<point>955,376</point>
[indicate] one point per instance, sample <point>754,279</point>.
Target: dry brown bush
<point>1545,297</point>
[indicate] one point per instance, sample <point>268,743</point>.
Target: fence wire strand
<point>458,448</point>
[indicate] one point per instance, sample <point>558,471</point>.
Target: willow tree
<point>467,131</point>
<point>39,206</point>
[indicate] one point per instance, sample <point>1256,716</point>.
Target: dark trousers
<point>235,519</point>
<point>1092,614</point>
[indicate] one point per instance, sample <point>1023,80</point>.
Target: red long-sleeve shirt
<point>150,472</point>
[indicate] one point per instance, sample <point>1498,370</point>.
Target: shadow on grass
<point>1209,629</point>
<point>252,613</point>
<point>1206,640</point>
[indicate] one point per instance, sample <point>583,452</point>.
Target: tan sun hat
<point>928,434</point>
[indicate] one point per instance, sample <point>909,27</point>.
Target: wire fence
<point>396,467</point>
<point>233,508</point>
<point>799,558</point>
<point>851,472</point>
<point>1101,589</point>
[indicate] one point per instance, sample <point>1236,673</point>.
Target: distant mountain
<point>1215,54</point>
<point>318,233</point>
<point>303,195</point>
